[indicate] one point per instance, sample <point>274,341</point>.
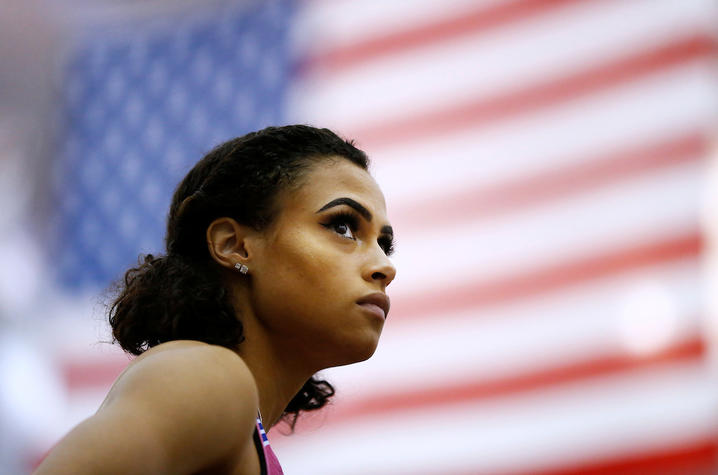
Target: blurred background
<point>550,170</point>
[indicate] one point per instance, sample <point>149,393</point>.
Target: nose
<point>380,269</point>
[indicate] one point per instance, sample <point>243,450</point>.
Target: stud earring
<point>241,268</point>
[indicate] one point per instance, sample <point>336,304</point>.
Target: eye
<point>344,224</point>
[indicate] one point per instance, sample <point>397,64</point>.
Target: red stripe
<point>478,295</point>
<point>698,459</point>
<point>470,22</point>
<point>92,374</point>
<point>481,111</point>
<point>690,351</point>
<point>582,175</point>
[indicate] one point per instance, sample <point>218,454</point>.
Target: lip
<point>378,299</point>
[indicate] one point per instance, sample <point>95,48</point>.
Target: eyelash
<point>352,220</point>
<point>346,218</point>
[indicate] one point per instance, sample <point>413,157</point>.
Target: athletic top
<point>267,459</point>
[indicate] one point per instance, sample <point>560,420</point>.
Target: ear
<point>228,242</point>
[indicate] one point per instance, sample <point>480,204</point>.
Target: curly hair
<point>181,295</point>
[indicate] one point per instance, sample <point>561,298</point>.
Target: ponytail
<point>169,298</point>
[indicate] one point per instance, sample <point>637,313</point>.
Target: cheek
<point>307,296</point>
<point>300,265</point>
<point>301,278</point>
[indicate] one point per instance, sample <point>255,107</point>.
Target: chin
<point>356,352</point>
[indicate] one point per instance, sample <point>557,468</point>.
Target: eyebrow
<point>359,208</point>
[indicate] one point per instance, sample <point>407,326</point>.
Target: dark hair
<point>181,295</point>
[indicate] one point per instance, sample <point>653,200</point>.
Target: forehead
<point>336,178</point>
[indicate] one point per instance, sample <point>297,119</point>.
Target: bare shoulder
<point>182,407</point>
<point>208,378</point>
<point>199,399</point>
<point>183,364</point>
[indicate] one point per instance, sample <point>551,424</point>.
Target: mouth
<point>377,303</point>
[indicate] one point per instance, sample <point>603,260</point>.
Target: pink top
<point>268,461</point>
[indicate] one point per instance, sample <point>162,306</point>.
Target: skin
<point>299,311</point>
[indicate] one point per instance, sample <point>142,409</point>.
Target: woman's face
<point>319,258</point>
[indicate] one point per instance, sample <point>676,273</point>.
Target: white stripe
<point>323,25</point>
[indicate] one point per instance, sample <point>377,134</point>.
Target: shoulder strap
<point>259,445</point>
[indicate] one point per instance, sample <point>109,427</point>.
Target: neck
<point>279,376</point>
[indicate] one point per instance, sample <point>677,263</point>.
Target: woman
<point>276,267</point>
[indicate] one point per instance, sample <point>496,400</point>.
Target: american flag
<point>544,163</point>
